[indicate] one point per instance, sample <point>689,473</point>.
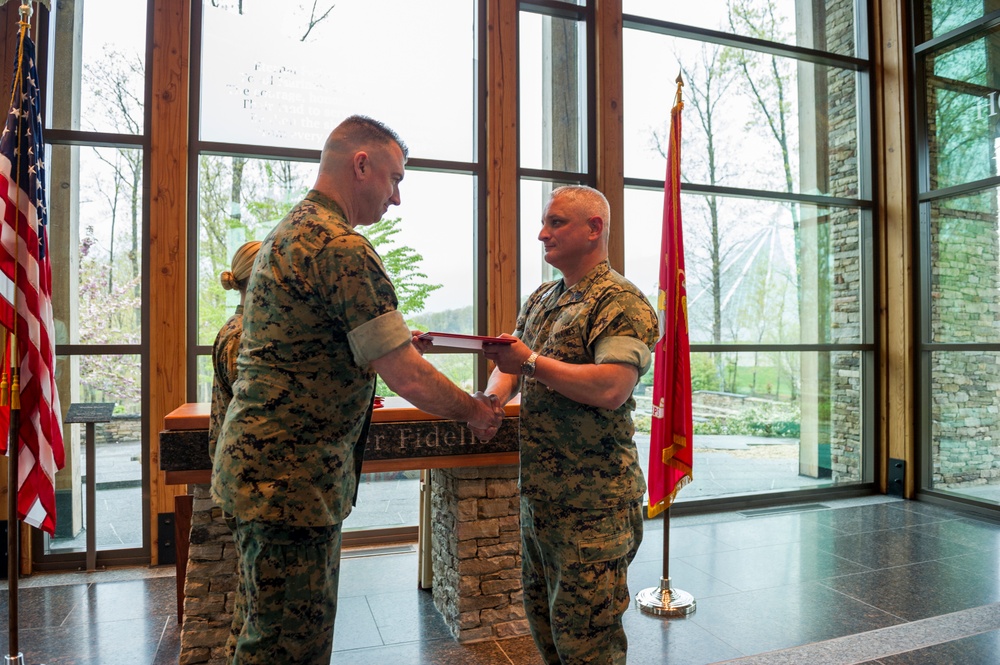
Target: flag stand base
<point>14,660</point>
<point>665,600</point>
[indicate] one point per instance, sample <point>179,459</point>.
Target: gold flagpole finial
<point>25,11</point>
<point>680,84</point>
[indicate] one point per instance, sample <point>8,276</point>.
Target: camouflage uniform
<point>319,309</point>
<point>581,485</point>
<point>224,352</point>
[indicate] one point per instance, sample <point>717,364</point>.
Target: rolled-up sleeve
<point>620,349</point>
<point>377,337</point>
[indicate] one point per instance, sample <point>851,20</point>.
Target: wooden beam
<point>9,19</point>
<point>894,214</point>
<point>501,168</point>
<point>610,123</point>
<point>168,182</point>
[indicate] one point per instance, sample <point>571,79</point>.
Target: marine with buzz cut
<point>319,321</point>
<point>582,342</point>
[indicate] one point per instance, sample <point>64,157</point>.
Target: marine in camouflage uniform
<point>227,341</point>
<point>319,307</point>
<point>224,352</point>
<point>581,485</point>
<point>580,480</point>
<point>320,319</point>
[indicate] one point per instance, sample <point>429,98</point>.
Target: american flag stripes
<point>26,294</point>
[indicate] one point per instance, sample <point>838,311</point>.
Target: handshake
<point>488,416</point>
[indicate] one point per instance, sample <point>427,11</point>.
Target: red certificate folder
<point>467,342</point>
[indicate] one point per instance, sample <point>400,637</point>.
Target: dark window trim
<point>799,53</point>
<point>757,194</point>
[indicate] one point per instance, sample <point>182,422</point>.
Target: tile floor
<point>871,581</point>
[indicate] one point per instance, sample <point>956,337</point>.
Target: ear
<point>362,165</point>
<point>596,225</point>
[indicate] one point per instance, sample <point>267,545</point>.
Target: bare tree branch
<point>313,20</point>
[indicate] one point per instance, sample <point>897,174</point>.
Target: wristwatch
<point>528,366</point>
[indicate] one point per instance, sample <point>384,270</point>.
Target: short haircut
<point>592,202</point>
<point>363,129</point>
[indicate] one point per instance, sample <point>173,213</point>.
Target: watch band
<point>528,366</point>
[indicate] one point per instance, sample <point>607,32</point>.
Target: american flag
<point>26,295</point>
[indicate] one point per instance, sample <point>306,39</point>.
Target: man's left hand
<point>421,345</point>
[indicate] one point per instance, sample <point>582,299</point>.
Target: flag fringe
<point>655,509</point>
<point>678,465</point>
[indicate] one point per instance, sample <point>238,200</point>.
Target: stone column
<point>477,552</point>
<point>210,584</point>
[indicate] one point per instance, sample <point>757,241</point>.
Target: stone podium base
<point>476,552</point>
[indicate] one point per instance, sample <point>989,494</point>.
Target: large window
<point>957,68</point>
<point>263,115</point>
<point>283,102</point>
<point>776,201</point>
<point>95,129</point>
<point>555,122</point>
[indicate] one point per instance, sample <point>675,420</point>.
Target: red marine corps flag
<point>26,299</point>
<point>670,446</point>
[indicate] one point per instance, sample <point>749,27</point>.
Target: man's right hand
<point>488,418</point>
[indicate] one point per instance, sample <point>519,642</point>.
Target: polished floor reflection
<point>873,580</point>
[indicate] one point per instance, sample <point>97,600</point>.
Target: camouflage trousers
<point>287,593</point>
<point>574,566</point>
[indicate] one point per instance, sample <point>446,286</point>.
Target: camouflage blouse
<point>319,308</point>
<point>224,352</point>
<point>578,455</point>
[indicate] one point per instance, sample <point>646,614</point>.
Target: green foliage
<point>402,264</point>
<point>449,320</point>
<point>763,379</point>
<point>769,419</point>
<point>239,199</point>
<point>704,375</point>
<point>642,423</point>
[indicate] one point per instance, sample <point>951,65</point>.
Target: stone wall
<point>965,421</point>
<point>963,272</point>
<point>120,428</point>
<point>210,587</point>
<point>845,254</point>
<point>477,552</point>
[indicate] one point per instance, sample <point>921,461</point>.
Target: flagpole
<point>14,657</point>
<point>670,432</point>
<point>13,526</point>
<point>664,600</point>
<point>13,531</point>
